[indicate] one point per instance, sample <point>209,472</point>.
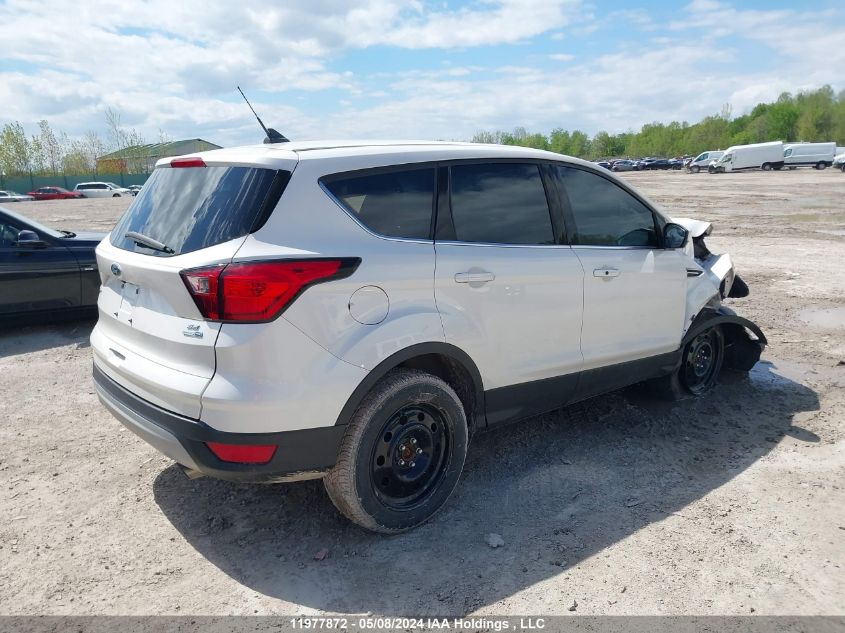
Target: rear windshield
<point>191,208</point>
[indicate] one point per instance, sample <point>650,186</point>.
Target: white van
<point>102,190</point>
<point>763,156</point>
<point>701,161</point>
<point>817,155</point>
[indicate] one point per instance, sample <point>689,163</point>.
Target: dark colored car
<point>44,272</point>
<point>676,163</point>
<point>54,193</point>
<point>655,163</point>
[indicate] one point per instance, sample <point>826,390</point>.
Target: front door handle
<point>474,278</point>
<point>606,272</point>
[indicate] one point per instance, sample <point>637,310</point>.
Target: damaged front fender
<point>744,340</point>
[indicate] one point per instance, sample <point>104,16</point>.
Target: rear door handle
<point>474,278</point>
<point>606,272</point>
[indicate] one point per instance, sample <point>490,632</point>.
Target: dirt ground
<point>732,504</point>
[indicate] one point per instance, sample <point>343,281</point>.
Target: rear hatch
<point>151,337</point>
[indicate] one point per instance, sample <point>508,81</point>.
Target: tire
<point>697,373</point>
<point>766,167</point>
<point>842,168</point>
<point>695,169</point>
<point>821,165</point>
<point>711,169</point>
<point>117,195</point>
<point>379,482</point>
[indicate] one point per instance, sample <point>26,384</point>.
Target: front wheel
<point>402,453</point>
<point>821,165</point>
<point>702,361</point>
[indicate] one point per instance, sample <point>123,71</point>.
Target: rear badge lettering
<point>192,331</point>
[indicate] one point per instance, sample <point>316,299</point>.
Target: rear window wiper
<point>143,240</point>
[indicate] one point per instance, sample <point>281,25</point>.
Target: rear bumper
<point>302,454</point>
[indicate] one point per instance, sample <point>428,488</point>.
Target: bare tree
<point>51,148</point>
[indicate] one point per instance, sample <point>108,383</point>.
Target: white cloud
<point>174,65</point>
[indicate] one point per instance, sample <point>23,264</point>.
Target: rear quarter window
<point>395,203</point>
<point>189,209</point>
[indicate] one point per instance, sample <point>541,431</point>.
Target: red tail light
<point>190,161</point>
<point>243,453</point>
<point>253,292</point>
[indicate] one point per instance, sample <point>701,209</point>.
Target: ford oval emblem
<point>115,270</point>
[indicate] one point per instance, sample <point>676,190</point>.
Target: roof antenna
<point>272,135</point>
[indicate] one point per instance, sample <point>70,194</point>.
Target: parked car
<point>676,163</point>
<point>249,341</point>
<point>816,155</point>
<point>134,189</point>
<point>54,193</point>
<point>655,163</point>
<point>603,163</point>
<point>839,162</point>
<point>703,160</point>
<point>623,165</point>
<point>102,190</point>
<point>765,156</point>
<point>44,272</point>
<point>13,196</point>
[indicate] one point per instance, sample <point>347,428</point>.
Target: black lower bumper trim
<point>305,451</point>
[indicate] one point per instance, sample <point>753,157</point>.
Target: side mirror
<point>674,236</point>
<point>29,239</point>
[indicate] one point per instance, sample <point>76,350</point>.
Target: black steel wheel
<point>409,461</point>
<point>402,453</point>
<point>702,361</point>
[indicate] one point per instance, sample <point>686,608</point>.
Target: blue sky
<point>406,68</point>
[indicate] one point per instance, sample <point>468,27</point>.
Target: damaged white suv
<point>355,311</point>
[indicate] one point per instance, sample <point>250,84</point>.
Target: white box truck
<point>701,161</point>
<point>817,155</point>
<point>763,156</point>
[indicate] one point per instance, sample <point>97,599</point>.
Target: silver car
<point>13,196</point>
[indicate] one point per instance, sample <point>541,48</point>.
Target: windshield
<point>40,228</point>
<point>701,156</point>
<point>787,152</point>
<point>114,186</point>
<point>191,208</point>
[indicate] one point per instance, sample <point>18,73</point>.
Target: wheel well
<point>454,374</point>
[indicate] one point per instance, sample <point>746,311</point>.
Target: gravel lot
<point>624,505</point>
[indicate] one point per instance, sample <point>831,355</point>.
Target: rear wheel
<point>767,166</point>
<point>695,169</point>
<point>402,453</point>
<point>821,165</point>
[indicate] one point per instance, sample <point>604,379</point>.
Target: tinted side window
<point>604,213</point>
<point>500,203</point>
<point>394,203</point>
<point>8,234</point>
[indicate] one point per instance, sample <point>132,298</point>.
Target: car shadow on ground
<point>25,337</point>
<point>558,488</point>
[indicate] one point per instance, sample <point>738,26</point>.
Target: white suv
<point>102,190</point>
<point>355,311</point>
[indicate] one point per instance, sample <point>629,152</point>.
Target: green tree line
<point>812,116</point>
<point>49,152</point>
